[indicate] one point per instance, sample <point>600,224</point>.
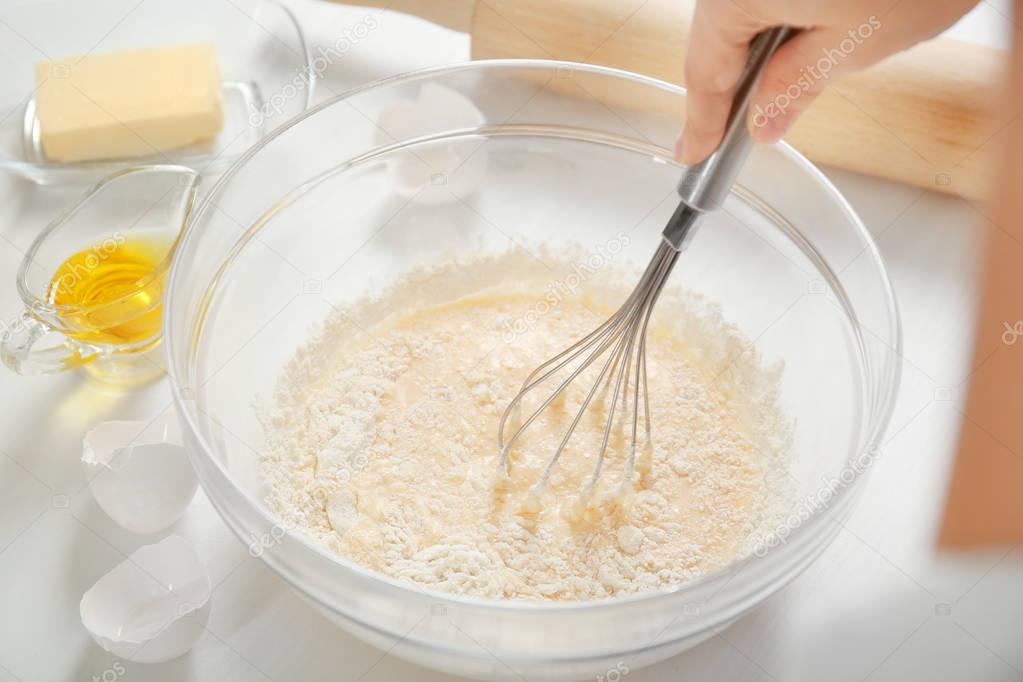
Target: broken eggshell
<point>151,607</point>
<point>139,472</point>
<point>427,172</point>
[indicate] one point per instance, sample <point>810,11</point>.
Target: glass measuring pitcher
<point>93,280</point>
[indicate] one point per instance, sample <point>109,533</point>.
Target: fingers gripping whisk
<point>618,348</point>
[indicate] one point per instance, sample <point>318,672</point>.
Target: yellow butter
<point>128,104</point>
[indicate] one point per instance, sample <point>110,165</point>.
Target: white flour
<point>381,441</point>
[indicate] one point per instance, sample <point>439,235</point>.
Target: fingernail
<point>771,130</point>
<point>687,151</point>
<point>679,144</point>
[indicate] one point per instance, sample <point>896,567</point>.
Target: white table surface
<point>880,604</point>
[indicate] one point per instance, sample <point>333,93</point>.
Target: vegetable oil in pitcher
<point>111,292</point>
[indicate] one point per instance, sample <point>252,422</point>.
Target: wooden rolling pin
<point>927,116</point>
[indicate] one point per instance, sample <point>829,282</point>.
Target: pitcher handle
<point>18,353</point>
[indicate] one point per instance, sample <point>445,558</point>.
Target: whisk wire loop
<point>624,335</point>
<point>704,186</point>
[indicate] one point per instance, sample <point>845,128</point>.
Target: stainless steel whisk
<point>703,187</point>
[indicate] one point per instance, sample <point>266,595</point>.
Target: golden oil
<point>111,293</point>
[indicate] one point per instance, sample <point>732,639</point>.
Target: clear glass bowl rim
<point>839,499</point>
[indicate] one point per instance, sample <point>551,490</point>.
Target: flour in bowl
<point>381,439</point>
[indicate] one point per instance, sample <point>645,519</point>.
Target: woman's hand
<point>836,38</point>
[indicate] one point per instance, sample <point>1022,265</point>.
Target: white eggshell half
<point>139,472</point>
<point>428,172</point>
<point>153,606</point>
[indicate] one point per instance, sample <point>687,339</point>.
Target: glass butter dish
<point>263,57</point>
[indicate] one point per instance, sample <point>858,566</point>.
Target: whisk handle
<point>704,186</point>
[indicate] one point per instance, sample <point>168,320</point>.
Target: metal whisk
<point>622,338</point>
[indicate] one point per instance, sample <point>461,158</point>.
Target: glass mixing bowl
<point>478,158</point>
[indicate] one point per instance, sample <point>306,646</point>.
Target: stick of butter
<point>128,104</point>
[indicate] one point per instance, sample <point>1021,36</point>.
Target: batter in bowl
<point>381,440</point>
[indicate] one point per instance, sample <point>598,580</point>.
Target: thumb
<point>800,70</point>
